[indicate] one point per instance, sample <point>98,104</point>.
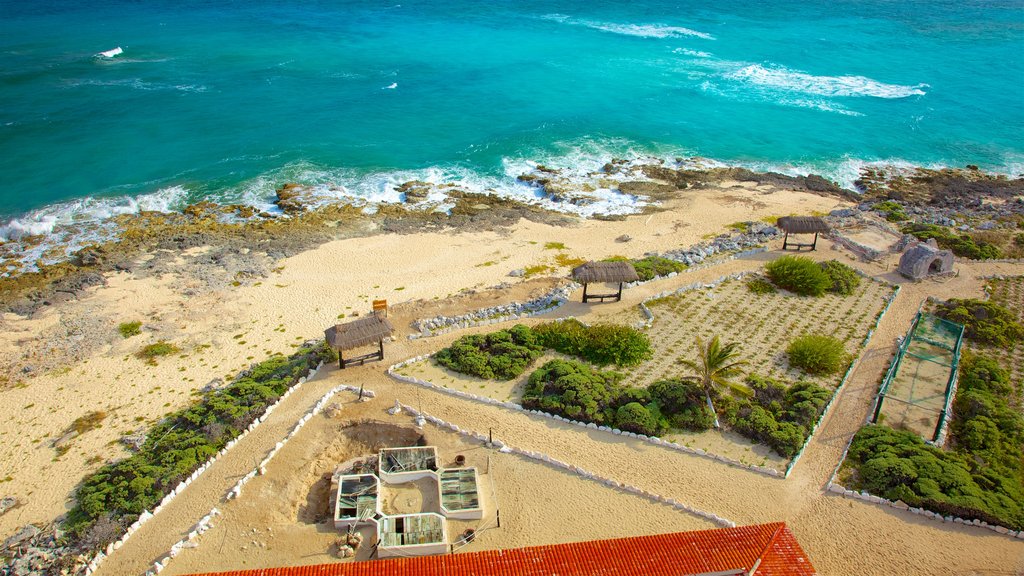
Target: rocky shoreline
<point>236,245</point>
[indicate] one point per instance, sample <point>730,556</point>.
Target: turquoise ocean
<point>225,100</point>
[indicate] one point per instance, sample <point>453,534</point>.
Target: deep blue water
<point>228,99</point>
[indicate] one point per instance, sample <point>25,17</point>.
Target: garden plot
<point>764,325</point>
<point>1010,293</point>
<point>504,390</point>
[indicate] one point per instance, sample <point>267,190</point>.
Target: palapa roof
<point>605,272</point>
<point>759,550</point>
<point>802,224</point>
<point>358,333</point>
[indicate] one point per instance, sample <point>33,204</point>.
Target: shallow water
<point>228,100</point>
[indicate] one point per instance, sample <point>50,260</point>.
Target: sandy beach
<point>220,332</point>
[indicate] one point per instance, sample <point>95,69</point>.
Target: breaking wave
<point>783,78</point>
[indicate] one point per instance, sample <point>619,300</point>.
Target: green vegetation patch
<point>153,351</point>
<point>600,344</point>
<point>799,275</point>
<point>500,355</point>
<point>779,416</point>
<point>845,279</point>
<point>960,244</point>
<point>119,492</point>
<point>651,267</point>
<point>817,354</point>
<point>893,211</point>
<point>129,329</point>
<point>984,321</point>
<point>982,477</point>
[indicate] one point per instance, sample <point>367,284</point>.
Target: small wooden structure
<point>362,332</point>
<point>924,260</point>
<point>620,272</point>
<point>380,307</point>
<point>801,225</point>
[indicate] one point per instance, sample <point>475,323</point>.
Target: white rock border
<point>204,523</point>
<point>504,448</point>
<point>147,515</point>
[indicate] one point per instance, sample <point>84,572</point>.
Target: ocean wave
<point>694,53</point>
<point>783,78</point>
<point>136,84</point>
<point>577,166</point>
<point>640,30</point>
<point>87,212</point>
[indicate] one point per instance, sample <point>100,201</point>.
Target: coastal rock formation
<point>414,190</point>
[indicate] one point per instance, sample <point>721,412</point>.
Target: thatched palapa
<point>604,272</point>
<point>363,332</point>
<point>801,225</point>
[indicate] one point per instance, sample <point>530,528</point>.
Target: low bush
<point>153,351</point>
<point>601,344</point>
<point>817,354</point>
<point>129,329</point>
<point>778,416</point>
<point>681,404</point>
<point>893,211</point>
<point>574,390</point>
<point>960,244</point>
<point>984,321</point>
<point>898,465</point>
<point>844,279</point>
<point>761,286</point>
<point>118,492</point>
<point>635,417</point>
<point>799,275</point>
<point>501,355</point>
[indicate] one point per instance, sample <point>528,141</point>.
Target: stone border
<point>506,449</point>
<point>485,316</point>
<point>871,498</point>
<point>519,408</point>
<point>204,523</point>
<point>147,515</point>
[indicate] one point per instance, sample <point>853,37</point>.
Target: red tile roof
<point>767,549</point>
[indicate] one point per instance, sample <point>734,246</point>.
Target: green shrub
<point>501,355</point>
<point>779,416</point>
<point>898,465</point>
<point>574,390</point>
<point>183,441</point>
<point>984,321</point>
<point>153,351</point>
<point>844,279</point>
<point>651,267</point>
<point>129,329</point>
<point>892,211</point>
<point>634,417</point>
<point>817,354</point>
<point>799,275</point>
<point>682,404</point>
<point>761,286</point>
<point>960,244</point>
<point>601,344</point>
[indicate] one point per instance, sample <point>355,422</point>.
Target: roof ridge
<point>780,527</point>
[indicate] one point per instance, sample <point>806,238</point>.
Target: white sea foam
<point>641,30</point>
<point>136,84</point>
<point>694,53</point>
<point>783,78</point>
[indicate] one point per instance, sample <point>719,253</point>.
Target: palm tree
<point>715,365</point>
